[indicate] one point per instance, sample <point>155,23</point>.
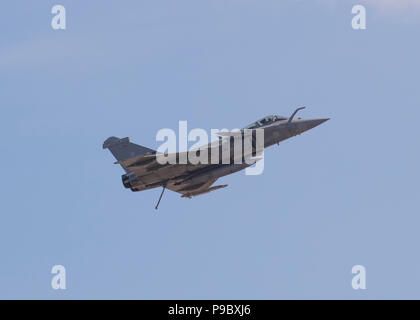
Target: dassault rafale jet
<point>144,171</point>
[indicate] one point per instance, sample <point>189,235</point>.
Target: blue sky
<point>342,194</point>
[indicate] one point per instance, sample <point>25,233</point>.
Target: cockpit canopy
<point>265,121</point>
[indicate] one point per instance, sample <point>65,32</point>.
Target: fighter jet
<point>144,171</point>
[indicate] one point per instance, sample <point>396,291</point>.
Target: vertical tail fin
<point>123,149</point>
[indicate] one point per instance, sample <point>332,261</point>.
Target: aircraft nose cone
<point>316,122</point>
<point>310,124</point>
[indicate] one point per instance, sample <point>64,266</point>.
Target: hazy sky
<point>342,194</point>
